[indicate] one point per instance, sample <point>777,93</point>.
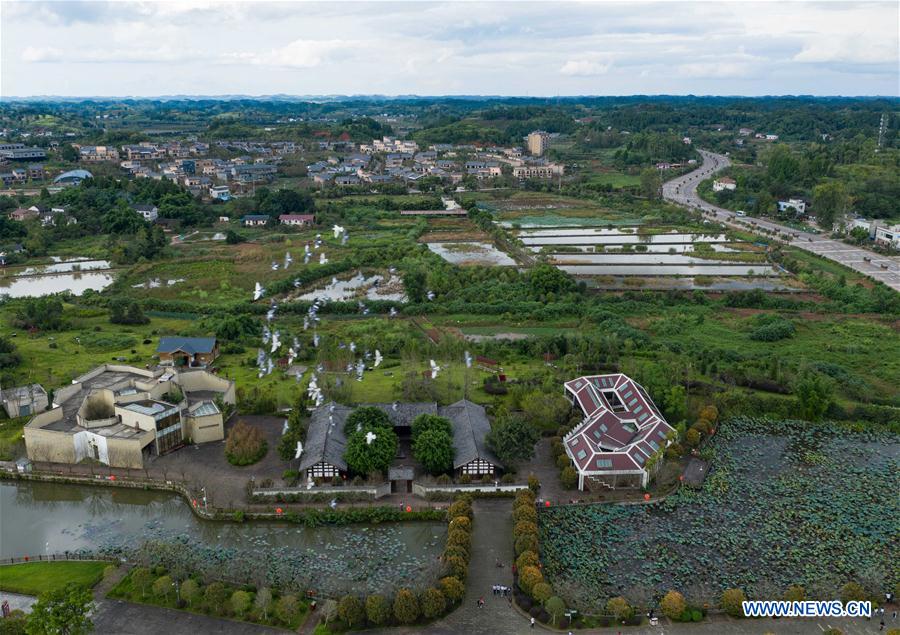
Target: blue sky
<point>442,48</point>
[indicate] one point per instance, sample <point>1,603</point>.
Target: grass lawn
<point>34,578</point>
<point>11,440</point>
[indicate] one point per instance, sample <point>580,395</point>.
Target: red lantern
<point>278,511</point>
<point>681,478</point>
<point>194,502</point>
<point>408,508</point>
<point>26,558</point>
<point>646,497</point>
<point>112,477</point>
<point>546,503</point>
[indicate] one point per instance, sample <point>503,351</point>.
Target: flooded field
<point>359,287</point>
<point>708,268</point>
<point>75,275</point>
<point>471,253</point>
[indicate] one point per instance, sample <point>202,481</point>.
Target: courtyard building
<point>195,352</point>
<point>122,416</point>
<point>620,441</point>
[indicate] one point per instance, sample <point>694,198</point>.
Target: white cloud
<point>715,70</point>
<point>585,68</point>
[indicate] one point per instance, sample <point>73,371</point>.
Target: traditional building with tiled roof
<point>623,432</point>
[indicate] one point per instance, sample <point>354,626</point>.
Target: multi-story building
<point>538,142</point>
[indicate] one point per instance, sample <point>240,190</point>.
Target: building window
<point>324,470</point>
<point>581,454</point>
<point>478,466</point>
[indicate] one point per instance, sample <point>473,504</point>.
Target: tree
<point>795,593</point>
<point>141,578</point>
<point>9,357</point>
<point>512,439</point>
<point>233,238</point>
<point>367,418</point>
<point>62,612</point>
<point>329,610</point>
<point>45,314</point>
<point>162,587</point>
<point>815,393</point>
<point>453,589</point>
<point>545,411</point>
<point>122,220</point>
<point>406,607</point>
<point>568,478</point>
<point>651,182</point>
<point>263,601</point>
<point>782,166</point>
<point>732,602</point>
<point>378,610</point>
<point>240,603</point>
<point>414,283</point>
<point>619,608</point>
<point>425,422</point>
<point>124,311</point>
<point>545,279</point>
<point>351,610</point>
<point>366,453</point>
<point>830,203</point>
<point>287,609</point>
<point>433,603</point>
<point>556,607</point>
<point>190,591</point>
<point>434,450</point>
<point>673,605</point>
<point>215,596</point>
<point>68,153</point>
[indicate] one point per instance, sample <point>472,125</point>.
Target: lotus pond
<point>786,502</point>
<point>44,518</point>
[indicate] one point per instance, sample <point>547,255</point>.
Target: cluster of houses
<point>879,231</point>
<point>402,161</point>
<point>48,215</point>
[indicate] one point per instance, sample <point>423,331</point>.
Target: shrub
<point>460,508</point>
<point>710,413</point>
<point>351,610</point>
<point>673,605</point>
<point>245,444</point>
<point>425,422</point>
<point>541,592</point>
<point>461,522</point>
<point>563,461</point>
<point>240,603</point>
<point>453,588</point>
<point>434,450</point>
<point>853,591</point>
<point>527,559</point>
<point>433,603</point>
<point>406,607</point>
<point>459,537</point>
<point>367,418</point>
<point>524,527</point>
<point>556,608</point>
<point>525,512</point>
<point>568,478</point>
<point>364,457</point>
<point>528,577</point>
<point>619,608</point>
<point>534,484</point>
<point>731,602</point>
<point>456,551</point>
<point>378,610</point>
<point>458,567</point>
<point>528,542</point>
<point>190,591</point>
<point>692,438</point>
<point>795,593</point>
<point>214,597</point>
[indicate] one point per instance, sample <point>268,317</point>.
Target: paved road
<point>683,190</point>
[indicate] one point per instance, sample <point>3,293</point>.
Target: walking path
<point>683,190</point>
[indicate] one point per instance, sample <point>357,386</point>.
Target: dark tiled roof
<point>190,345</point>
<point>325,440</point>
<point>470,427</point>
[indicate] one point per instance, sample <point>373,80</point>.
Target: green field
<point>34,578</point>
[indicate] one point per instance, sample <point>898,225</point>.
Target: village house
<point>619,442</point>
<point>149,212</point>
<point>95,154</point>
<point>254,220</point>
<point>195,352</point>
<point>888,236</point>
<point>724,183</point>
<point>796,204</point>
<point>21,401</point>
<point>538,171</point>
<point>297,220</point>
<point>21,214</point>
<point>122,416</point>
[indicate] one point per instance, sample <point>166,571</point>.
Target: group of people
<point>499,589</point>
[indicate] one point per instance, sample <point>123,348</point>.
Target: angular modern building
<point>620,440</point>
<point>120,416</point>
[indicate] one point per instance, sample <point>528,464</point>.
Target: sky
<point>543,48</point>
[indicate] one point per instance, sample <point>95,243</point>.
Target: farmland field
<point>786,502</point>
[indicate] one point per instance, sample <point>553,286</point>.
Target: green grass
<point>11,440</point>
<point>34,578</point>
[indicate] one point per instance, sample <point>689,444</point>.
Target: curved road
<point>683,190</point>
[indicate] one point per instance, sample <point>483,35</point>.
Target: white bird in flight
<point>258,292</point>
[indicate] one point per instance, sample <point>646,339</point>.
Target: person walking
<point>532,622</point>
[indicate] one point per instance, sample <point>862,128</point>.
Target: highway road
<point>683,190</point>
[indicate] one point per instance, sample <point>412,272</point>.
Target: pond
<point>649,269</point>
<point>620,239</point>
<point>75,275</point>
<point>473,253</point>
<point>39,518</point>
